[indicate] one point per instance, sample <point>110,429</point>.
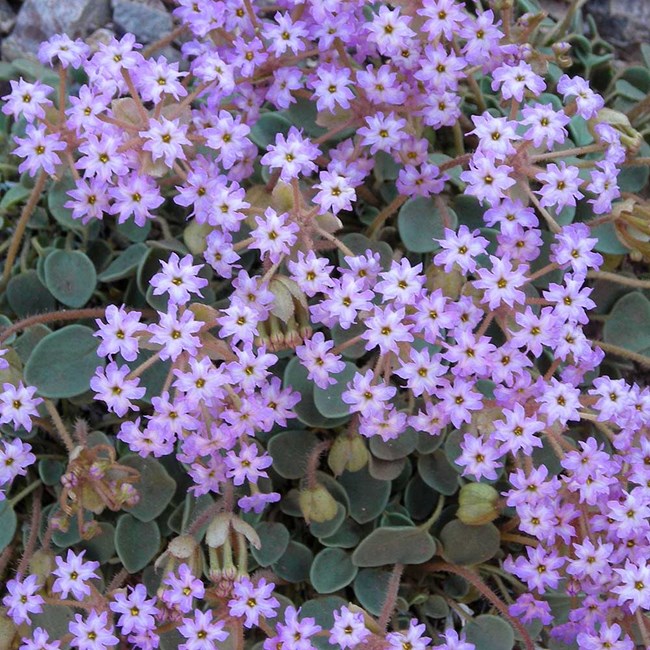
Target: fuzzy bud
<point>317,504</point>
<point>347,453</point>
<point>477,504</point>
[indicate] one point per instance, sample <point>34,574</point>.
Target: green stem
<point>24,492</point>
<point>21,226</point>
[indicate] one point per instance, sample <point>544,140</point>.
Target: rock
<point>39,19</point>
<point>7,17</point>
<point>149,20</point>
<point>624,23</point>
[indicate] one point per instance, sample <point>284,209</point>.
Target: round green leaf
<point>55,619</point>
<point>332,570</point>
<point>322,611</point>
<point>419,498</point>
<point>267,127</point>
<point>63,363</point>
<point>329,527</point>
<point>368,496</point>
<point>290,451</point>
<point>136,542</point>
<point>8,523</point>
<point>347,535</point>
<point>294,565</point>
<point>296,376</point>
<point>359,244</point>
<point>27,295</point>
<point>419,224</point>
<point>396,448</point>
<point>125,264</point>
<point>70,277</point>
<point>328,400</point>
<point>57,197</point>
<point>339,336</point>
<point>435,607</point>
<point>50,471</point>
<point>463,544</point>
<point>101,547</point>
<point>132,231</point>
<point>627,325</point>
<point>386,470</point>
<point>490,632</point>
<point>394,545</point>
<point>438,473</point>
<point>370,588</point>
<point>274,538</point>
<point>155,487</point>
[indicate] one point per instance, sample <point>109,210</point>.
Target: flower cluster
<point>483,334</point>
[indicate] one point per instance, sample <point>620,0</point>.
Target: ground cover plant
<point>331,334</point>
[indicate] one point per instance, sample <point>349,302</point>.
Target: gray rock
<point>39,19</point>
<point>624,23</point>
<point>149,20</point>
<point>7,17</point>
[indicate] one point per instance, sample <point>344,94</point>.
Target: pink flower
<point>252,600</point>
<point>92,634</point>
<point>73,574</point>
<point>27,100</point>
<point>560,185</point>
<point>293,155</point>
<point>18,405</point>
<point>113,387</point>
<point>486,180</point>
<point>39,149</point>
<point>179,278</point>
<point>349,629</point>
<point>165,139</point>
<point>22,599</point>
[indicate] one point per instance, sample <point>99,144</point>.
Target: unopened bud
<point>347,453</point>
<point>477,504</point>
<point>317,504</point>
<point>631,139</point>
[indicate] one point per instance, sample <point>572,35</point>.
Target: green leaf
<point>396,448</point>
<point>63,363</point>
<point>296,376</point>
<point>463,544</point>
<point>627,324</point>
<point>28,340</point>
<point>274,538</point>
<point>394,545</point>
<point>125,264</point>
<point>13,196</point>
<point>321,610</point>
<point>132,231</point>
<point>267,127</point>
<point>331,570</point>
<point>295,564</point>
<point>303,114</point>
<point>50,471</point>
<point>339,336</point>
<point>27,295</point>
<point>490,632</point>
<point>329,527</point>
<point>420,223</point>
<point>359,244</point>
<point>438,473</point>
<point>136,542</point>
<point>368,496</point>
<point>70,277</point>
<point>153,378</point>
<point>55,619</point>
<point>101,548</point>
<point>347,535</point>
<point>57,197</point>
<point>419,498</point>
<point>155,487</point>
<point>290,451</point>
<point>8,523</point>
<point>370,588</point>
<point>328,400</point>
